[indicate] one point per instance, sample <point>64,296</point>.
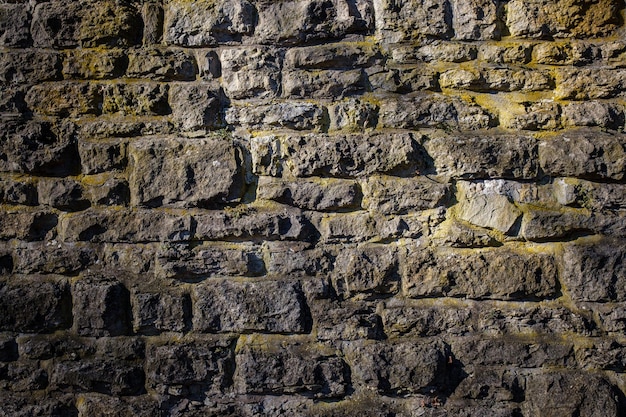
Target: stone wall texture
<point>361,208</point>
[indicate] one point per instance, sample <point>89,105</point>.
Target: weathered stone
<point>505,54</point>
<point>54,257</point>
<point>162,65</point>
<point>402,367</point>
<point>13,191</point>
<point>606,354</point>
<point>102,155</point>
<point>311,194</point>
<point>594,270</point>
<point>175,172</point>
<point>250,72</point>
<point>346,321</point>
<point>29,225</point>
<point>591,195</point>
<point>323,83</point>
<point>12,100</point>
<point>553,394</point>
<point>65,99</point>
<point>209,66</point>
<point>476,19</point>
<point>426,320</point>
<point>155,312</point>
<point>303,21</point>
<point>29,66</point>
<point>594,113</point>
<point>101,307</point>
<point>66,194</point>
<point>408,20</point>
<point>210,259</point>
<point>366,271</point>
<point>265,153</point>
<point>335,56</point>
<point>503,274</point>
<point>294,259</point>
<point>486,204</point>
<point>570,53</point>
<point>273,222</point>
<point>35,304</point>
<point>353,115</point>
<point>24,376</point>
<point>152,16</point>
<point>297,116</point>
<point>108,366</point>
<point>352,155</point>
<point>135,258</point>
<point>188,366</point>
<point>612,317</point>
<point>90,64</point>
<point>435,50</point>
<point>107,190</point>
<point>484,156</point>
<point>14,25</point>
<point>207,23</point>
<point>271,367</point>
<point>542,115</point>
<point>109,23</point>
<point>397,195</point>
<point>584,153</point>
<point>586,84</point>
<point>433,110</point>
<point>98,225</point>
<point>561,19</point>
<point>195,106</point>
<point>132,99</point>
<point>249,306</point>
<point>56,24</point>
<point>106,406</point>
<point>459,234</point>
<point>348,227</point>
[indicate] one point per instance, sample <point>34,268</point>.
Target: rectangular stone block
<point>484,156</point>
<point>594,270</point>
<point>273,367</point>
<point>208,23</point>
<point>93,64</point>
<point>433,110</point>
<point>65,99</point>
<point>351,155</point>
<point>64,194</point>
<point>30,225</point>
<point>193,264</point>
<point>346,321</point>
<point>588,84</point>
<point>584,153</point>
<point>399,195</point>
<point>562,19</point>
<point>162,65</point>
<point>15,25</point>
<point>30,66</point>
<point>249,306</point>
<point>56,24</point>
<point>305,21</point>
<point>123,225</point>
<point>401,367</point>
<point>196,106</point>
<point>296,259</point>
<point>162,311</point>
<point>251,72</point>
<point>476,19</point>
<point>190,366</point>
<point>289,115</point>
<point>107,190</point>
<point>102,155</point>
<point>184,172</point>
<point>502,274</point>
<point>344,55</point>
<point>136,99</point>
<point>54,257</point>
<point>312,194</point>
<point>35,304</point>
<point>101,307</point>
<point>330,84</point>
<point>407,20</point>
<point>14,191</point>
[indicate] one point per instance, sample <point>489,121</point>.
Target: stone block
<point>595,270</point>
<point>584,153</point>
<point>92,64</point>
<point>63,194</point>
<point>15,25</point>
<point>589,84</point>
<point>295,259</point>
<point>328,84</point>
<point>35,304</point>
<point>594,113</point>
<point>271,367</point>
<point>195,107</point>
<point>176,172</point>
<point>249,306</point>
<point>399,195</point>
<point>162,65</point>
<point>29,66</point>
<point>476,19</point>
<point>56,24</point>
<point>65,99</point>
<point>548,19</point>
<point>14,191</point>
<point>28,225</point>
<point>190,366</point>
<point>345,321</point>
<point>408,20</point>
<point>334,56</point>
<point>102,155</point>
<point>162,311</point>
<point>289,115</point>
<point>208,23</point>
<point>136,99</point>
<point>496,155</point>
<point>54,257</point>
<point>311,194</point>
<point>502,274</point>
<point>101,307</point>
<point>251,72</point>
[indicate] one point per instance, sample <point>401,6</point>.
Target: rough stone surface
<point>315,208</point>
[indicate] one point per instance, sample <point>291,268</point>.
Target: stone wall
<point>313,208</point>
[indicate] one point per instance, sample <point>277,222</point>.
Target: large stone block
<point>208,22</point>
<point>250,72</point>
<point>93,64</point>
<point>290,115</point>
<point>399,195</point>
<point>136,99</point>
<point>184,172</point>
<point>503,274</point>
<point>29,66</point>
<point>596,270</point>
<point>589,84</point>
<point>14,25</point>
<point>311,194</point>
<point>562,19</point>
<point>195,107</point>
<point>100,155</point>
<point>63,194</point>
<point>162,65</point>
<point>35,304</point>
<point>274,367</point>
<point>65,99</point>
<point>101,307</point>
<point>28,225</point>
<point>476,19</point>
<point>14,191</point>
<point>329,84</point>
<point>160,311</point>
<point>54,257</point>
<point>408,20</point>
<point>249,306</point>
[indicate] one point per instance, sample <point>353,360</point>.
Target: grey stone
<point>102,155</point>
<point>89,64</point>
<point>30,66</point>
<point>176,172</point>
<point>13,191</point>
<point>162,65</point>
<point>101,307</point>
<point>156,312</point>
<point>249,306</point>
<point>330,84</point>
<point>28,225</point>
<point>398,195</point>
<point>195,106</point>
<point>408,20</point>
<point>66,194</point>
<point>250,72</point>
<point>14,25</point>
<point>54,257</point>
<point>65,99</point>
<point>588,84</point>
<point>136,99</point>
<point>476,19</point>
<point>297,116</point>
